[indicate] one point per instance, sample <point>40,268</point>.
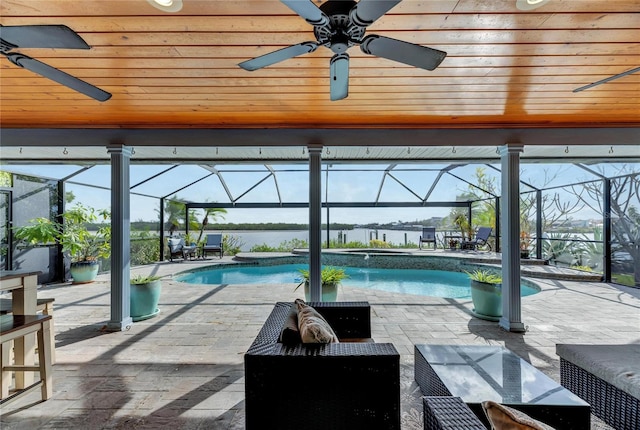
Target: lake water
<point>274,238</point>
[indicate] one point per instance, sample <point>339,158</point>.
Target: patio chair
<point>482,236</point>
<point>176,247</point>
<point>214,244</point>
<point>428,236</point>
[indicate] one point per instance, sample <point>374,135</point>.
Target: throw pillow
<point>313,327</point>
<point>290,333</point>
<point>505,418</point>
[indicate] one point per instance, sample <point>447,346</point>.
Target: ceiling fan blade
<point>403,52</point>
<point>307,10</point>
<point>366,12</point>
<point>279,55</point>
<point>339,76</point>
<point>58,76</point>
<point>605,80</point>
<point>42,36</point>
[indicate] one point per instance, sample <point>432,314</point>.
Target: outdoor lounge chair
<point>428,236</point>
<point>176,247</point>
<point>482,236</point>
<point>214,244</point>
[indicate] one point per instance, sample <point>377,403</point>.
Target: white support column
<point>120,238</point>
<point>510,213</point>
<point>315,222</point>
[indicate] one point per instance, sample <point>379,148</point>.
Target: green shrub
<point>292,244</point>
<point>408,245</point>
<point>285,246</point>
<point>353,244</point>
<point>624,279</point>
<point>144,251</point>
<point>262,248</point>
<point>583,268</point>
<point>232,244</point>
<point>375,243</point>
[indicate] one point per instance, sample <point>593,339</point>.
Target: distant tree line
<point>155,226</point>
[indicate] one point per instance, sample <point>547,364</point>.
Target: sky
<point>347,183</point>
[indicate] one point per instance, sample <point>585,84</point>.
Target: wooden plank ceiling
<point>505,67</point>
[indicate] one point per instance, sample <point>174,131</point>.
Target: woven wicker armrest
<point>449,413</point>
<point>609,403</point>
<point>320,351</point>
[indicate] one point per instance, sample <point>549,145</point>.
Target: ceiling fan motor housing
<point>341,32</point>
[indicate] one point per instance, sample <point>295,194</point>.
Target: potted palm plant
<point>525,241</point>
<point>330,279</point>
<point>466,231</point>
<point>486,294</point>
<point>72,233</point>
<point>144,296</point>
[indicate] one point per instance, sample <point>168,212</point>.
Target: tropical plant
<point>215,214</point>
<point>557,245</point>
<point>72,233</point>
<point>141,280</point>
<point>329,276</point>
<point>462,223</point>
<point>591,251</point>
<point>486,276</point>
<point>174,211</point>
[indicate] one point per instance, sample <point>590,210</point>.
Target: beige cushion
<point>616,364</point>
<point>290,333</point>
<point>313,327</point>
<point>505,418</point>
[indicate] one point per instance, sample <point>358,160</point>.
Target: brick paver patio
<point>184,368</point>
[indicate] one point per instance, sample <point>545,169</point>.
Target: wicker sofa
<point>353,384</point>
<point>607,377</point>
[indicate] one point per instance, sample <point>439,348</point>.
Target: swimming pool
<point>434,283</point>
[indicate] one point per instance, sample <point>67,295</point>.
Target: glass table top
<point>477,373</point>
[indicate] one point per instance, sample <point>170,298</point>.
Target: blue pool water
<point>435,283</point>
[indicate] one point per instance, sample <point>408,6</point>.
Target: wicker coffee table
<point>477,373</point>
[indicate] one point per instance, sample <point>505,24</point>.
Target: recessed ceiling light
<point>169,5</point>
<point>530,4</point>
